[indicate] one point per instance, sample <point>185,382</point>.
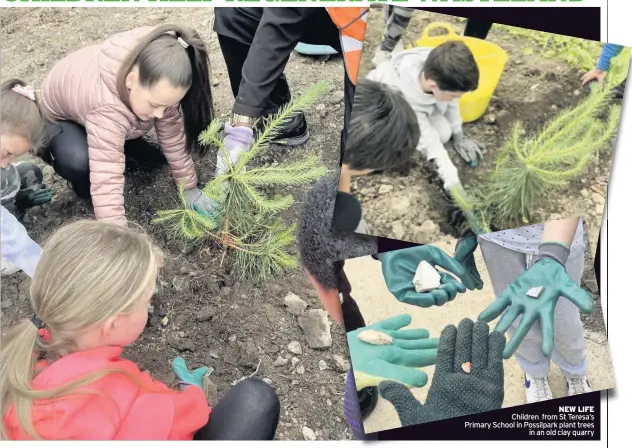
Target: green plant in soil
<point>530,167</point>
<point>247,224</point>
<point>578,53</point>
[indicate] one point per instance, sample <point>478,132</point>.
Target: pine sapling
<point>246,222</point>
<point>529,168</point>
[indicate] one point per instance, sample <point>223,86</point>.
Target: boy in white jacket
<point>433,81</point>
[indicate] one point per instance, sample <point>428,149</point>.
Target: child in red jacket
<point>62,377</point>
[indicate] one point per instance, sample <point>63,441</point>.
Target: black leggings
<point>70,160</point>
<point>250,410</point>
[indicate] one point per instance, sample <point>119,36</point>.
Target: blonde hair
<point>89,271</point>
<point>21,115</point>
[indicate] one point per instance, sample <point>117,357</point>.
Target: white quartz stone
<point>426,278</point>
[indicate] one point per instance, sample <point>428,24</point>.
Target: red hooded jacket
<point>123,410</point>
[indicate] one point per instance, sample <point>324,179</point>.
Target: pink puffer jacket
<point>82,88</point>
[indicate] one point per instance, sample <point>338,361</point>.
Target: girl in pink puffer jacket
<point>103,95</point>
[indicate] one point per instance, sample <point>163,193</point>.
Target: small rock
<point>399,230</point>
<point>206,313</point>
<point>184,270</point>
<point>554,108</point>
<point>385,189</point>
<point>322,110</point>
<point>308,434</point>
<point>294,304</point>
<point>183,345</point>
<point>400,204</point>
<point>294,361</point>
<point>249,355</point>
<point>295,348</point>
<point>584,192</point>
<point>337,97</point>
<point>577,93</point>
<point>5,303</point>
<point>597,198</point>
<point>215,81</point>
<point>225,290</point>
<point>267,381</point>
<point>280,362</point>
<point>232,338</point>
<point>179,284</point>
<point>210,388</point>
<point>341,364</point>
<point>317,330</point>
<point>426,278</point>
<point>323,391</point>
<point>322,365</point>
<point>332,389</point>
<point>329,403</point>
<point>426,232</point>
<point>164,321</point>
<point>491,119</point>
<point>300,369</point>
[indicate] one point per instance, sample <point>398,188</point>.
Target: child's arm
<point>560,231</point>
<point>17,247</point>
<point>172,140</point>
<point>608,52</point>
<point>106,130</point>
<point>453,114</point>
<point>431,148</point>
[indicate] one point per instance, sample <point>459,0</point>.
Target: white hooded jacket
<point>403,72</point>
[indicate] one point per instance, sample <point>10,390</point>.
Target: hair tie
<point>25,91</point>
<point>42,331</point>
<point>182,42</point>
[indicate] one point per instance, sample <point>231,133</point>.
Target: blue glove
<point>187,377</point>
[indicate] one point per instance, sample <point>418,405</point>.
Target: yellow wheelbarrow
<point>491,60</point>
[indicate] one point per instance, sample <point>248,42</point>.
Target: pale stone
<point>426,278</point>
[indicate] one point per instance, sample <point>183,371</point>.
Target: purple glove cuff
<point>238,137</point>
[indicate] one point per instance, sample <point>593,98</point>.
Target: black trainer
<point>293,133</point>
<point>367,398</point>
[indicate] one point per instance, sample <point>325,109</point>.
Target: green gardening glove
<point>534,294</point>
<point>26,198</point>
<point>468,378</point>
<point>464,254</point>
<point>187,377</point>
<point>399,267</point>
<point>395,355</point>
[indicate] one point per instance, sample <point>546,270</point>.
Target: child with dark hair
<point>432,81</point>
<point>382,134</point>
<point>103,95</point>
<point>322,252</point>
<point>383,129</point>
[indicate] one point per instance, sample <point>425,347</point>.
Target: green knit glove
<point>455,392</point>
<point>396,356</point>
<point>399,267</point>
<point>523,297</point>
<point>464,254</point>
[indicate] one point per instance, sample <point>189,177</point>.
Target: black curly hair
<point>322,249</point>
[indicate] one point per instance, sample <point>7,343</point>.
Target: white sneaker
<point>380,57</point>
<point>538,389</point>
<point>577,386</point>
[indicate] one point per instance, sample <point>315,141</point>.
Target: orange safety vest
<point>352,25</point>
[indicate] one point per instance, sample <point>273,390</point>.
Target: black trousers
<point>256,44</point>
<point>70,159</point>
<point>250,410</point>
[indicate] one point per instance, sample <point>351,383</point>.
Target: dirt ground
<point>236,329</point>
<point>377,303</point>
<point>404,204</point>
